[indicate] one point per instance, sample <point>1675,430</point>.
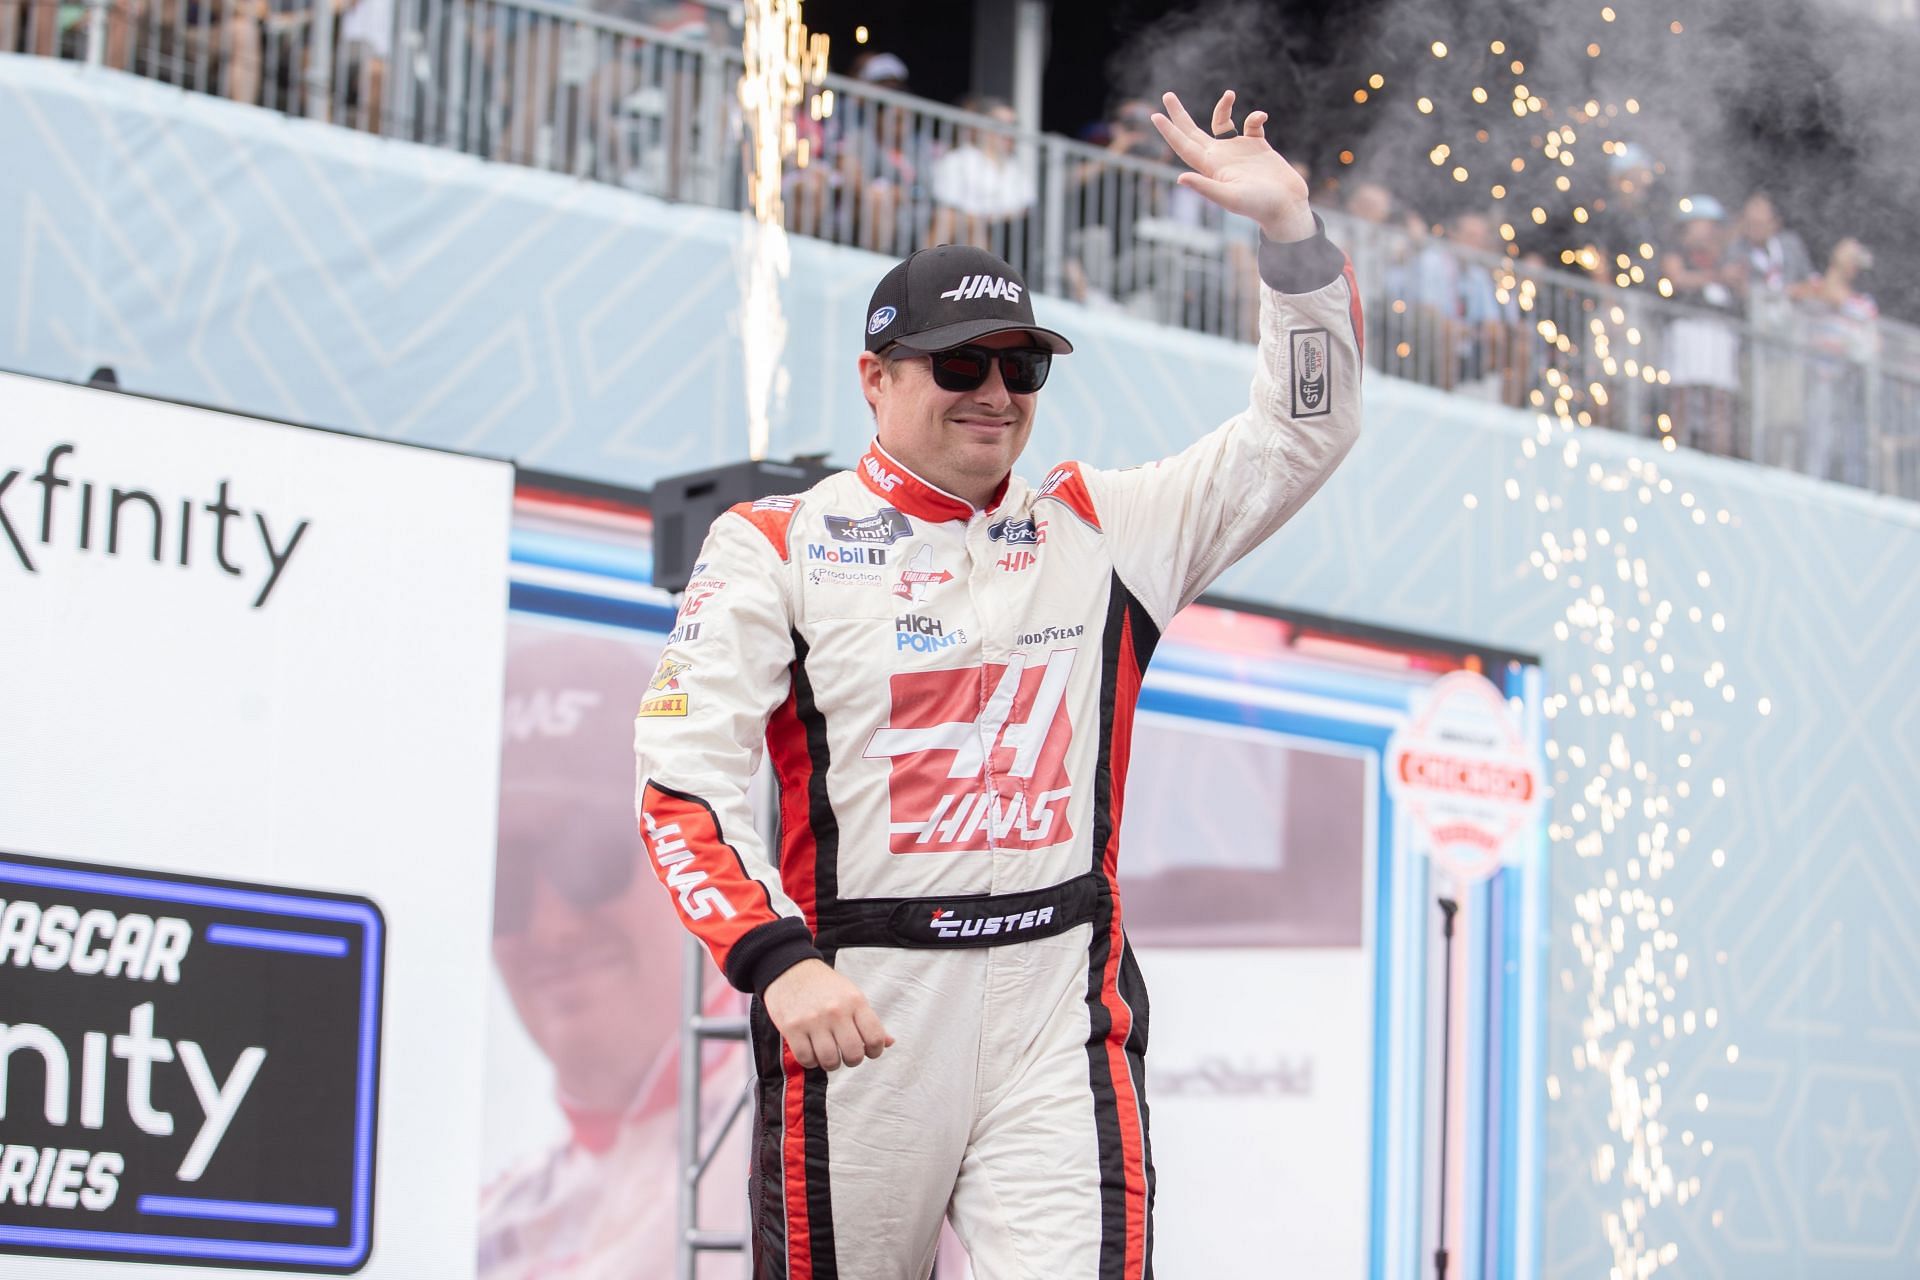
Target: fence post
<point>1053,217</point>
<point>1871,380</point>
<point>320,62</point>
<point>453,77</point>
<point>715,114</point>
<point>96,32</point>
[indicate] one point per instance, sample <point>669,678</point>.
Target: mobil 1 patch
<point>190,1068</point>
<point>1312,386</point>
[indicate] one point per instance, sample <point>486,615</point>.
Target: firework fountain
<point>784,66</point>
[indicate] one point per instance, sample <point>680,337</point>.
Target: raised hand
<point>1240,172</point>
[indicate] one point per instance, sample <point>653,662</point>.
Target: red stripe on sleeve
<point>1353,310</point>
<point>711,889</point>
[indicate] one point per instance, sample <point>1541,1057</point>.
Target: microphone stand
<point>1448,907</point>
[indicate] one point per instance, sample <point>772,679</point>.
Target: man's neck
<point>975,494</point>
<point>600,1091</point>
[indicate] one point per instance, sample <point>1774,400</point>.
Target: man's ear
<point>873,371</point>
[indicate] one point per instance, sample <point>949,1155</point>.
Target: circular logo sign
<point>880,319</point>
<point>1465,774</point>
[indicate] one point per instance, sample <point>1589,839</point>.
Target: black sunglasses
<point>586,875</point>
<point>1023,369</point>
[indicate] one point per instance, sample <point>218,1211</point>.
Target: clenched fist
<point>824,1017</point>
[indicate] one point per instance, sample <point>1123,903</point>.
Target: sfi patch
<point>1312,389</point>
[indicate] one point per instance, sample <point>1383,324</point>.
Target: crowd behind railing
<point>1683,319</point>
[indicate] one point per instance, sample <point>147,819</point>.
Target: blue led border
<point>132,885</point>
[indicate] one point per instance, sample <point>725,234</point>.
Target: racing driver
<point>942,663</point>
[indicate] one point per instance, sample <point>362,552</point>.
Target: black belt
<point>961,920</point>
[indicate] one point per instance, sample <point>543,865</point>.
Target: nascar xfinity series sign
<point>188,1068</point>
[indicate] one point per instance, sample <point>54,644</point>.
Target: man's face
<point>1474,232</point>
<point>964,441</point>
<point>1370,202</point>
<point>1701,239</point>
<point>999,143</point>
<point>1758,221</point>
<point>587,979</point>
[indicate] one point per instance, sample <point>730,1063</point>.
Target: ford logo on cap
<point>880,319</point>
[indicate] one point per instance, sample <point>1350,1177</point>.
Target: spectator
<point>1485,345</point>
<point>30,26</point>
<point>1452,301</point>
<point>1103,200</point>
<point>365,43</point>
<point>981,190</point>
<point>1773,260</point>
<point>1772,267</point>
<point>1842,332</point>
<point>1376,249</point>
<point>882,160</point>
<point>1703,345</point>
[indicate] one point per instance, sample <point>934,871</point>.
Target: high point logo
<point>143,521</point>
<point>922,634</point>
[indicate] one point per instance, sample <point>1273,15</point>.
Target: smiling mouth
<point>575,965</point>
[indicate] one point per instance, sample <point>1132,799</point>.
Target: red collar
<point>599,1131</point>
<point>879,471</point>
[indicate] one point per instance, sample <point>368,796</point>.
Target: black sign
<point>189,1069</point>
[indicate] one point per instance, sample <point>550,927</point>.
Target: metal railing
<point>591,94</point>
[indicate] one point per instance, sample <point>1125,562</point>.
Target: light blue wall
<point>277,267</point>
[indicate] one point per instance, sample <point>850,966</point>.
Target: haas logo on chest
<point>979,757</point>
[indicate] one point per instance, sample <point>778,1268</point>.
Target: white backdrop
<point>339,732</point>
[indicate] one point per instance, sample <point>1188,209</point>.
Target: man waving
<point>942,663</point>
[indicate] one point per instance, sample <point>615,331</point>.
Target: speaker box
<point>684,506</point>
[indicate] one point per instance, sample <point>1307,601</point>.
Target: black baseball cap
<point>950,295</point>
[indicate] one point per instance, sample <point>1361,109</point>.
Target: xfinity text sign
<point>188,1068</point>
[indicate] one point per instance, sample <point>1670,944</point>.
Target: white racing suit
<point>947,698</point>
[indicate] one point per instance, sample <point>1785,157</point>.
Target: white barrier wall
<point>251,686</point>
